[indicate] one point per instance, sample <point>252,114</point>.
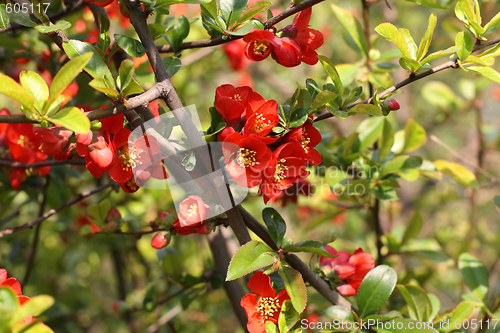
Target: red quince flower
<point>83,220</point>
<point>283,171</point>
<point>15,286</point>
<point>349,268</point>
<point>259,44</point>
<point>55,141</point>
<point>245,158</point>
<point>231,102</point>
<point>23,144</point>
<point>262,116</point>
<point>308,39</point>
<point>192,211</point>
<point>235,52</point>
<point>305,138</point>
<point>262,304</point>
<point>286,52</point>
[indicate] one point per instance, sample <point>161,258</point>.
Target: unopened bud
<point>161,239</point>
<point>164,219</point>
<point>204,229</point>
<point>392,104</point>
<point>114,214</point>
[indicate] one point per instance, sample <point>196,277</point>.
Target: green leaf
<point>392,34</point>
<point>71,118</point>
<point>415,136</point>
<point>252,10</point>
<point>61,25</point>
<point>125,73</point>
<point>26,19</point>
<point>322,98</point>
<point>353,27</point>
<point>8,299</point>
<point>464,10</point>
<point>475,275</point>
<point>375,289</point>
<point>12,89</point>
<point>369,131</point>
<point>367,109</point>
<point>275,224</point>
<point>423,47</point>
<point>271,327</point>
<point>436,305</point>
<point>288,317</point>
<point>492,25</point>
<point>465,41</point>
<point>398,163</point>
<point>4,17</point>
<point>180,31</point>
<point>410,64</point>
<point>67,74</point>
<point>497,201</point>
<point>386,141</point>
<point>439,94</point>
<point>103,39</point>
<point>96,67</point>
<point>231,10</point>
<point>133,88</point>
<point>457,172</point>
<point>429,3</point>
<point>250,257</point>
<point>36,328</point>
<point>131,46</point>
<point>419,304</point>
<point>103,86</point>
<point>172,64</point>
<point>36,86</point>
<point>439,54</point>
<point>295,287</point>
<point>413,228</point>
<point>308,246</point>
<point>54,106</point>
<point>34,307</point>
<point>487,72</point>
<point>332,72</point>
<point>339,313</point>
<point>298,118</point>
<point>410,43</point>
<point>463,311</point>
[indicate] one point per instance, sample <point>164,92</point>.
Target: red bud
<point>392,104</point>
<point>161,239</point>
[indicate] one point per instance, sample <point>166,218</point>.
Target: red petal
<point>260,284</point>
<point>14,285</point>
<point>249,302</point>
<point>3,275</point>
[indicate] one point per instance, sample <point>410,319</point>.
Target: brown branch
<point>14,164</point>
<point>220,40</point>
<point>312,278</point>
<point>34,246</point>
<point>51,212</point>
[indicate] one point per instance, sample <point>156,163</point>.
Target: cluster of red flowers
<point>252,156</point>
<point>263,305</point>
<point>294,44</point>
<point>350,269</point>
<point>13,284</point>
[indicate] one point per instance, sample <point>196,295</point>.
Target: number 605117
<point>26,7</point>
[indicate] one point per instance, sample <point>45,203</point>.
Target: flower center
<point>305,141</point>
<point>246,157</point>
<point>130,157</point>
<point>280,171</point>
<point>193,209</point>
<point>24,141</point>
<point>261,123</point>
<point>267,307</point>
<point>260,47</point>
<point>236,97</point>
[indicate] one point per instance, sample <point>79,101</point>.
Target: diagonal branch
<point>14,164</point>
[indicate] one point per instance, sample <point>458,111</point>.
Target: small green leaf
<point>497,201</point>
<point>8,299</point>
<point>322,98</point>
<point>339,313</point>
<point>440,53</point>
<point>54,106</point>
<point>353,27</point>
<point>369,131</point>
<point>275,224</point>
<point>172,64</point>
<point>410,64</point>
<point>392,34</point>
<point>61,25</point>
<point>367,109</point>
<point>492,25</point>
<point>295,287</point>
<point>133,88</point>
<point>475,275</point>
<point>36,86</point>
<point>436,305</point>
<point>429,3</point>
<point>102,86</point>
<point>419,304</point>
<point>34,307</point>
<point>71,118</point>
<point>386,141</point>
<point>439,94</point>
<point>4,17</point>
<point>457,172</point>
<point>271,327</point>
<point>308,246</point>
<point>298,118</point>
<point>180,31</point>
<point>410,43</point>
<point>332,72</point>
<point>398,163</point>
<point>67,74</point>
<point>252,10</point>
<point>131,46</point>
<point>464,40</point>
<point>487,72</point>
<point>250,257</point>
<point>100,211</point>
<point>126,73</point>
<point>375,289</point>
<point>231,10</point>
<point>415,136</point>
<point>12,89</point>
<point>461,312</point>
<point>288,317</point>
<point>414,227</point>
<point>423,47</point>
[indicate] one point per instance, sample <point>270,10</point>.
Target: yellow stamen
<point>305,141</point>
<point>193,209</point>
<point>280,171</point>
<point>24,141</point>
<point>246,157</point>
<point>267,307</point>
<point>260,47</point>
<point>130,157</point>
<point>261,123</point>
<point>236,97</point>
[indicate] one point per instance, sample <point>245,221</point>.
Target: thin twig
<point>221,40</point>
<point>51,212</point>
<point>14,164</point>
